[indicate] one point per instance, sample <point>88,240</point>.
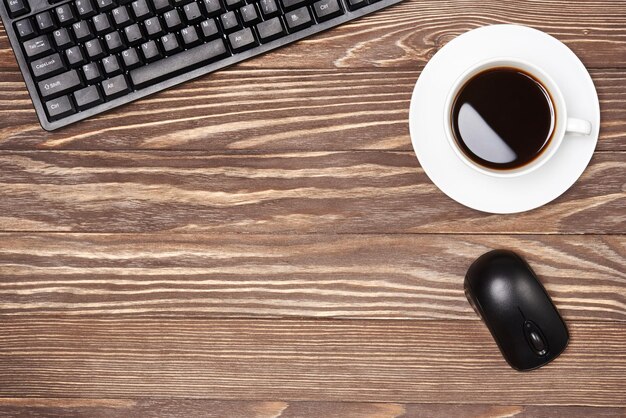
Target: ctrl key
<point>59,108</point>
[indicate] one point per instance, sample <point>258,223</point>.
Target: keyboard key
<point>38,47</point>
<point>209,29</point>
<point>172,20</point>
<point>213,7</point>
<point>44,21</point>
<point>269,8</point>
<point>133,34</point>
<point>121,17</point>
<point>85,8</point>
<point>105,5</point>
<point>233,4</point>
<point>101,23</point>
<point>59,108</point>
<point>181,3</point>
<point>88,97</point>
<point>153,27</point>
<point>161,5</point>
<point>111,65</point>
<point>62,38</point>
<point>65,14</point>
<point>47,66</point>
<point>327,9</point>
<point>150,51</point>
<point>249,14</point>
<point>242,39</point>
<point>59,84</point>
<point>229,21</point>
<point>183,61</point>
<point>170,44</point>
<point>270,29</point>
<point>25,29</point>
<point>91,72</point>
<point>94,49</point>
<point>356,4</point>
<point>192,12</point>
<point>82,31</point>
<point>131,58</point>
<point>292,4</point>
<point>141,9</point>
<point>17,7</point>
<point>114,42</point>
<point>115,87</point>
<point>298,19</point>
<point>74,56</point>
<point>190,36</point>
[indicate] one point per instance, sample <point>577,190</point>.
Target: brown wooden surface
<point>262,242</point>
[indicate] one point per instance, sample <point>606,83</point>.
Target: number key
<point>105,5</point>
<point>65,15</point>
<point>85,8</point>
<point>44,21</point>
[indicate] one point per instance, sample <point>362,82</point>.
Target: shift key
<point>59,84</point>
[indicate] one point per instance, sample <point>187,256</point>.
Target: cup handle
<point>578,126</point>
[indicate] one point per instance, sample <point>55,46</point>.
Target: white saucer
<point>453,176</point>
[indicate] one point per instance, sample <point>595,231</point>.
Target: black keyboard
<point>82,57</point>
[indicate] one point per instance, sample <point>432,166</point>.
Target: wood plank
<point>332,192</point>
<point>411,32</point>
<point>205,408</point>
<point>243,109</point>
<point>332,276</point>
<point>373,361</point>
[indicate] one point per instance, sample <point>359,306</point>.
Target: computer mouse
<point>507,295</point>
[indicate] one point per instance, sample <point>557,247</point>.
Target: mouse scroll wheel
<point>535,338</point>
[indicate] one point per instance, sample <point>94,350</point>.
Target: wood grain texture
<point>247,109</point>
<point>334,276</point>
<point>410,33</point>
<point>325,192</point>
<point>375,361</point>
<point>204,408</point>
<point>346,89</point>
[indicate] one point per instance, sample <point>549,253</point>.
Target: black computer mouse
<point>516,308</point>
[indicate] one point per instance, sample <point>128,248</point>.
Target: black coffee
<point>503,118</point>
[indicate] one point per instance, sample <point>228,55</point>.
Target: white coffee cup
<point>563,124</point>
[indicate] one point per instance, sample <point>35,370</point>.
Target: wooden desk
<point>262,242</point>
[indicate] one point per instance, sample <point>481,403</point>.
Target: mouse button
<point>535,339</point>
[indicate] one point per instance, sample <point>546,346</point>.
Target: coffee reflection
<point>503,118</point>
